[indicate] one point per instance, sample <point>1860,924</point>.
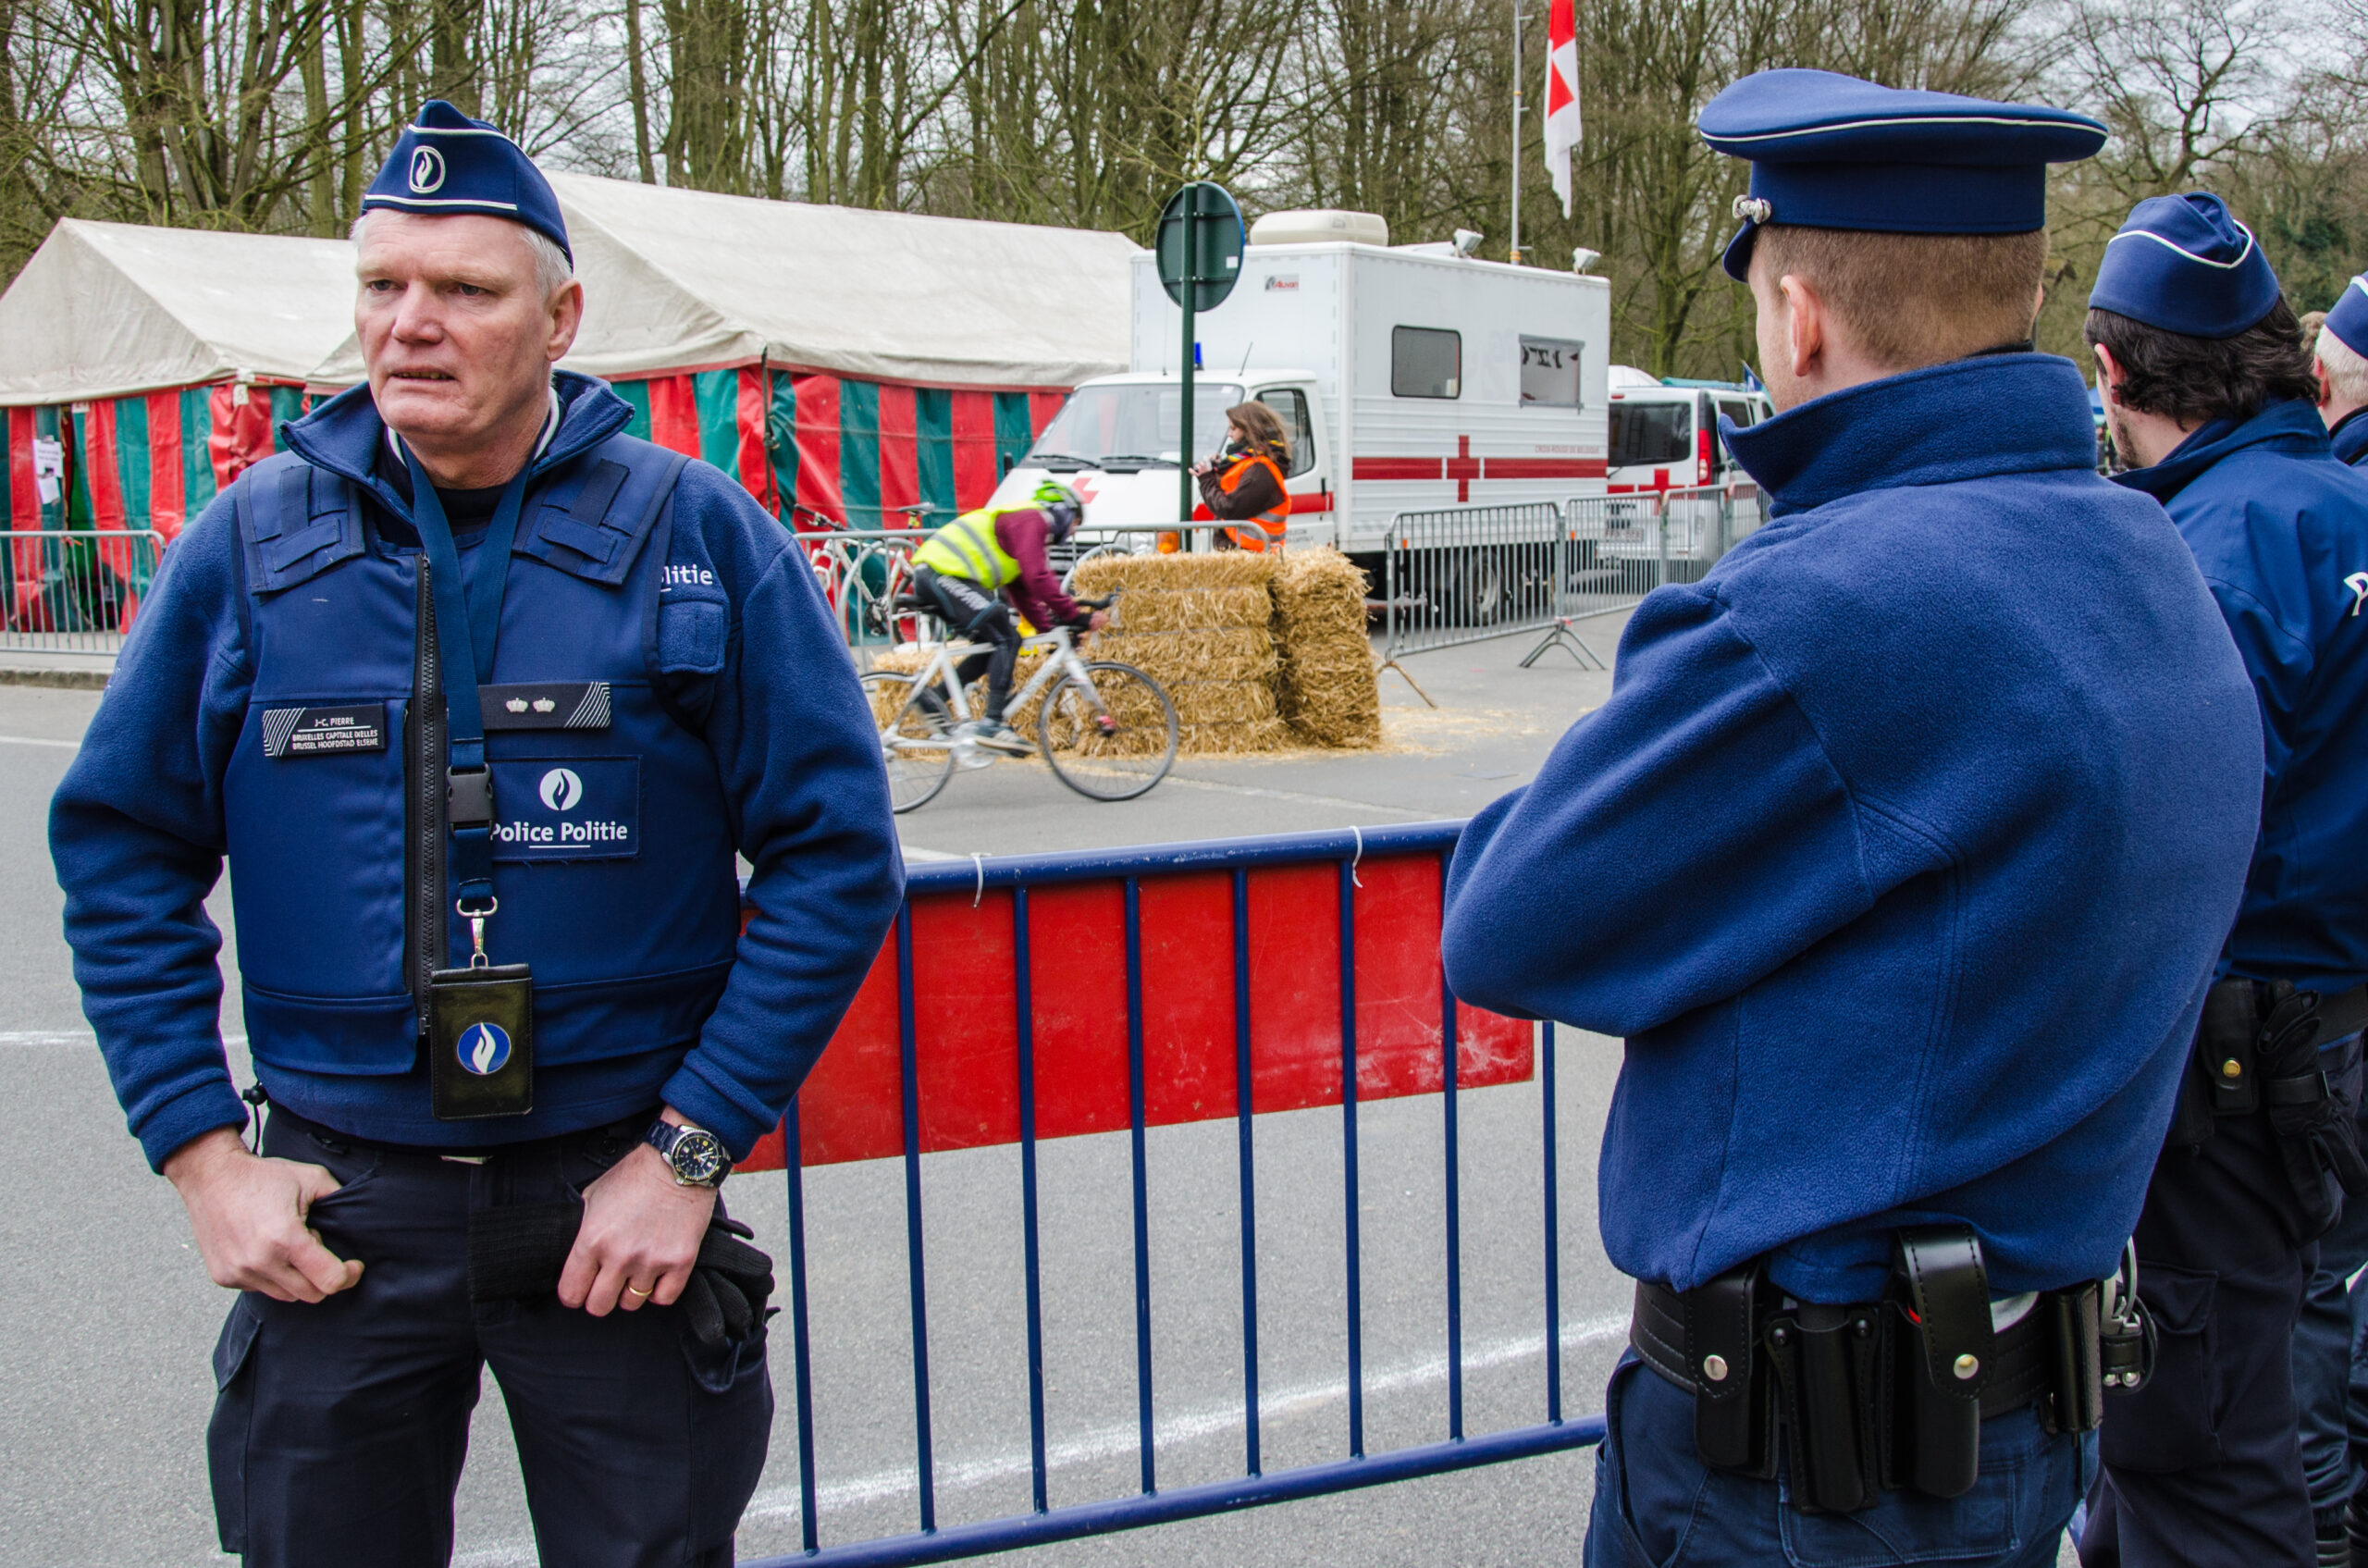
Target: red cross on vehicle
<point>1464,468</point>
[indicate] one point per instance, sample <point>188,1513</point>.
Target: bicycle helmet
<point>1062,508</point>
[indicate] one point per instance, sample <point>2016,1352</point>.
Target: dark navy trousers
<point>2204,1466</point>
<point>2334,1407</point>
<point>339,1428</point>
<point>1658,1506</point>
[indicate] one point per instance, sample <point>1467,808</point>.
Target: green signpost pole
<point>1191,280</point>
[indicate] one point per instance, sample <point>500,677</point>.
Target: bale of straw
<point>1202,627</point>
<point>1329,697</point>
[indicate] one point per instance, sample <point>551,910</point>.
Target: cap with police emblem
<point>2186,264</point>
<point>2347,317</point>
<point>1832,152</point>
<point>446,163</point>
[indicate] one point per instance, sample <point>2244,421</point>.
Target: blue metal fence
<point>1254,1488</point>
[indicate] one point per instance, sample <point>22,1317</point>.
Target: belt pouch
<point>481,1043</point>
<point>2068,1323</point>
<point>1730,1407</point>
<point>1825,1366</point>
<point>1945,1361</point>
<point>2225,1048</point>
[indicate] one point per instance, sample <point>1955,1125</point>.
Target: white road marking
<point>1303,798</point>
<point>37,740</point>
<point>1115,1442</point>
<point>914,854</point>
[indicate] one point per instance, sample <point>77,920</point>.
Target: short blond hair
<point>1913,299</point>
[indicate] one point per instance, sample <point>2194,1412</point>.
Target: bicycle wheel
<point>915,741</point>
<point>1114,750</point>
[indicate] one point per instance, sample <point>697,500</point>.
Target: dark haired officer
<point>480,696</point>
<point>1897,857</point>
<point>2209,392</point>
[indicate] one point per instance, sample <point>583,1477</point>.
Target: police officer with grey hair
<point>480,697</point>
<point>1899,858</point>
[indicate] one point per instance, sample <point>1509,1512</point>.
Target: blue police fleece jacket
<point>2350,439</point>
<point>1900,853</point>
<point>2280,529</point>
<point>137,829</point>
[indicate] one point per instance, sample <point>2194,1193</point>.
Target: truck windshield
<point>1134,424</point>
<point>1660,432</point>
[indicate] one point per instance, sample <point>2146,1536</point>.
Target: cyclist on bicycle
<point>982,567</point>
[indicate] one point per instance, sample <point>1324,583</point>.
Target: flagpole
<point>1515,252</point>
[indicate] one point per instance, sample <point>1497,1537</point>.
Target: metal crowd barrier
<point>73,591</point>
<point>906,1076</point>
<point>1466,574</point>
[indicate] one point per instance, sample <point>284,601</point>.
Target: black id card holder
<point>481,1043</point>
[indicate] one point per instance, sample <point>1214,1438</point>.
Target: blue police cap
<point>2347,317</point>
<point>1832,152</point>
<point>2185,264</point>
<point>447,163</point>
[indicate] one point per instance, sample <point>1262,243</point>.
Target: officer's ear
<point>2319,373</point>
<point>564,310</point>
<point>1808,324</point>
<point>2109,373</point>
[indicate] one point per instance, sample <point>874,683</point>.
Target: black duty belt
<point>1888,1394</point>
<point>2019,1367</point>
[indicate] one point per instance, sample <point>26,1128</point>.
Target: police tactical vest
<point>613,862</point>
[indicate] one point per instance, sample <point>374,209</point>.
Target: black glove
<point>2318,1137</point>
<point>518,1253</point>
<point>730,1284</point>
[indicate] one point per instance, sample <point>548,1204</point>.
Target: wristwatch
<point>695,1154</point>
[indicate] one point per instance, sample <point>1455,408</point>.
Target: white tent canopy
<point>687,279</point>
<point>104,310</point>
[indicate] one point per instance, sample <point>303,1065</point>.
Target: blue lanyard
<point>468,624</point>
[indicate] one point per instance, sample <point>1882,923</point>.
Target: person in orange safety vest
<point>1244,483</point>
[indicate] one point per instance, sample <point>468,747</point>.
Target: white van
<point>1408,377</point>
<point>1663,435</point>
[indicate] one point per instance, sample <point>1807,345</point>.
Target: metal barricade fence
<point>1467,574</point>
<point>914,1070</point>
<point>74,591</point>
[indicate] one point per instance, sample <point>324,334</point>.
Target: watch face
<point>699,1156</point>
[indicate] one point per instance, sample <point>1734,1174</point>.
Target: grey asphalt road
<point>108,1319</point>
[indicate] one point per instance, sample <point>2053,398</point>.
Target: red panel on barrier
<point>966,1007</point>
<point>1077,970</point>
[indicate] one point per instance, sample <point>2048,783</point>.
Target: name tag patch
<point>567,809</point>
<point>545,705</point>
<point>323,732</point>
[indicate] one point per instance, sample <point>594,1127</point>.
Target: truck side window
<point>1656,433</point>
<point>1426,362</point>
<point>1290,406</point>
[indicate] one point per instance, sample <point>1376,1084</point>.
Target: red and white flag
<point>1561,96</point>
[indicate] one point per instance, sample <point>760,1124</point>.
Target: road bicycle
<point>1105,729</point>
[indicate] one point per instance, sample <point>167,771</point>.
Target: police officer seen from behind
<point>2210,395</point>
<point>480,696</point>
<point>1898,856</point>
<point>2339,364</point>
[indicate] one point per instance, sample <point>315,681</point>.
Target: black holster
<point>2257,1049</point>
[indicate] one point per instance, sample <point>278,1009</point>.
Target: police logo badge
<point>483,1048</point>
<point>561,789</point>
<point>427,171</point>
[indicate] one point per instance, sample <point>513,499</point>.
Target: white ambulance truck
<point>1407,378</point>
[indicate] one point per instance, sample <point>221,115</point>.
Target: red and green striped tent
<point>851,453</point>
